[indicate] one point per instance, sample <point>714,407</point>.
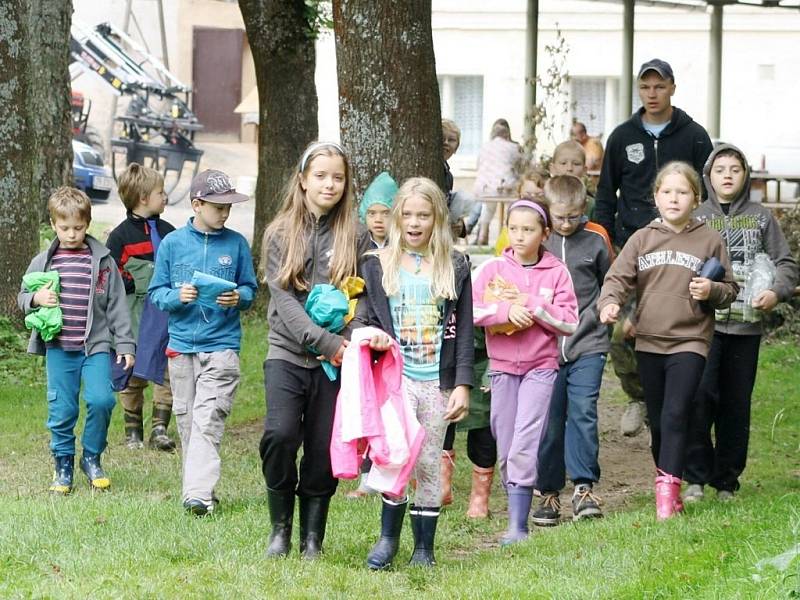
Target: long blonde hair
<point>294,219</point>
<point>440,246</point>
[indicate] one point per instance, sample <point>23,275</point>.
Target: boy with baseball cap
<point>204,336</point>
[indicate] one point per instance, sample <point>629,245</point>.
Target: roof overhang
<point>702,5</point>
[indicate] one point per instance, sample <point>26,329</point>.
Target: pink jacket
<point>373,415</point>
<point>551,300</point>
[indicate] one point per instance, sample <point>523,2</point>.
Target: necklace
<point>418,257</point>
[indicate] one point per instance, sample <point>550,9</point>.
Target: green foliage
<point>17,368</point>
<point>544,118</point>
<point>784,321</point>
<point>319,15</point>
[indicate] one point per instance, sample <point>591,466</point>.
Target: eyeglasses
<point>563,219</point>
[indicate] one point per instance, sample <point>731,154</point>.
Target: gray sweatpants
<point>203,388</point>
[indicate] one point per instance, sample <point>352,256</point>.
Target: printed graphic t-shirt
<point>417,321</point>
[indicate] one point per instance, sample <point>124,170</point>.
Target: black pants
<point>481,447</point>
<point>670,382</point>
<point>300,408</point>
<point>723,401</point>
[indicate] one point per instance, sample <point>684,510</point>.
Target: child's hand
<point>129,360</point>
<point>700,288</point>
<point>45,296</point>
<point>457,404</point>
<point>379,342</point>
<point>188,293</point>
<point>336,359</point>
<point>766,300</point>
<point>609,314</point>
<point>228,299</point>
<point>519,316</point>
<point>628,329</point>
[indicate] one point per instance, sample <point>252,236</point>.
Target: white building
<point>480,58</point>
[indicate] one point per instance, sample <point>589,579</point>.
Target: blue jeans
<point>66,369</point>
<point>571,443</point>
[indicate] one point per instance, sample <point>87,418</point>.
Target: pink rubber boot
<point>668,496</point>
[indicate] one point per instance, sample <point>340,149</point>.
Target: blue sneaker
<point>90,464</point>
<point>62,475</point>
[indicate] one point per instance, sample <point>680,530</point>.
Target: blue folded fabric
<point>209,287</point>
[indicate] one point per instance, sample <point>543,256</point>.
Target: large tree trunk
<point>282,42</point>
<point>49,109</point>
<point>34,88</point>
<point>389,109</point>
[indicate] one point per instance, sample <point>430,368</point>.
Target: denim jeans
<point>571,443</point>
<point>66,369</point>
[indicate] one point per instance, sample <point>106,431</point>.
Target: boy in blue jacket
<point>204,338</point>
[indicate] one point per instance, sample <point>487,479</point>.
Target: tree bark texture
<point>389,111</point>
<point>35,151</point>
<point>282,42</point>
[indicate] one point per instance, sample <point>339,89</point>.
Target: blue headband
<point>313,147</point>
<point>531,205</point>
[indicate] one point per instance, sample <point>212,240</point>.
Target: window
<point>462,101</point>
<point>589,103</point>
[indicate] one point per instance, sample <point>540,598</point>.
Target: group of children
<point>544,305</point>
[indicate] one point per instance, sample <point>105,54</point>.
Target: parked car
<point>91,174</point>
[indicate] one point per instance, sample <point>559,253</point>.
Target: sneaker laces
<point>584,493</point>
<point>551,501</point>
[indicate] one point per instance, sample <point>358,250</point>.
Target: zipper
<point>314,235</point>
<point>200,318</point>
<point>655,149</point>
<point>563,339</point>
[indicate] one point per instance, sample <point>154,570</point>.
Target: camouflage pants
<point>623,357</point>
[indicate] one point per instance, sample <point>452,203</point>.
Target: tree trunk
<point>49,109</point>
<point>282,41</point>
<point>34,87</point>
<point>389,110</point>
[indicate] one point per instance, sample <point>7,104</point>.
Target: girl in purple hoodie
<point>525,299</point>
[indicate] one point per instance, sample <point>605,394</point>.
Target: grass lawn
<point>136,542</point>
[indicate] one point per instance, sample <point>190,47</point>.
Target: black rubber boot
<point>62,475</point>
<point>313,518</point>
<point>281,514</point>
<point>423,525</point>
<point>159,440</point>
<point>384,551</point>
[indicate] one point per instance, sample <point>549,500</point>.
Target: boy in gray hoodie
<point>571,442</point>
<point>723,399</point>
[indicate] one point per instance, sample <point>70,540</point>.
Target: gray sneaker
<point>548,513</point>
<point>585,505</point>
<point>725,495</point>
<point>693,493</point>
<point>633,419</point>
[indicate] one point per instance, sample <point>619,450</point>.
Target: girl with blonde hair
<point>418,290</point>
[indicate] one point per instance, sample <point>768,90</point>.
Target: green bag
<point>46,320</point>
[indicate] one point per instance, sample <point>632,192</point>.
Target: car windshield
<point>90,158</point>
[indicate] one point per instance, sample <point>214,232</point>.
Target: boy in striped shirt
<point>95,320</point>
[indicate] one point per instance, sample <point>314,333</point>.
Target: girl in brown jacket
<point>674,318</point>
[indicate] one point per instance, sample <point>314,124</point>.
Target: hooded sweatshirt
<point>747,230</point>
<point>292,333</point>
<point>224,254</point>
<point>108,323</point>
<point>551,300</point>
<point>659,264</point>
<point>632,159</point>
<point>587,255</point>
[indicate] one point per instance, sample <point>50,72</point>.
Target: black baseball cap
<point>659,66</point>
<point>214,186</point>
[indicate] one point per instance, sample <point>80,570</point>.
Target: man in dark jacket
<point>655,135</point>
